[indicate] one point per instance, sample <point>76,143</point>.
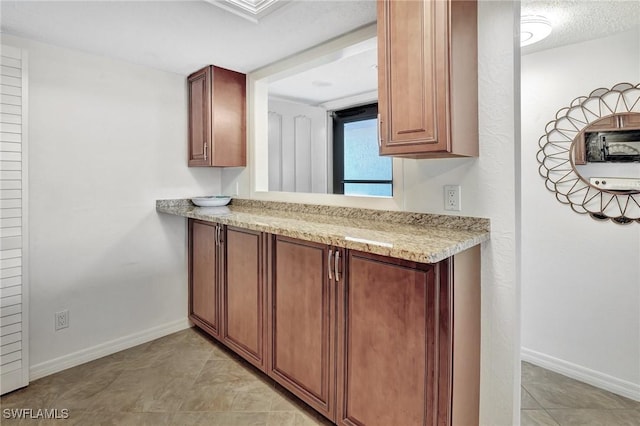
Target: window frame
<point>339,118</point>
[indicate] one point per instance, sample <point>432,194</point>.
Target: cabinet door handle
<point>379,131</point>
<point>217,235</point>
<point>221,236</point>
<point>337,265</point>
<point>206,151</point>
<point>329,263</point>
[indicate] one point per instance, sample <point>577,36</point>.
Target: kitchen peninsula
<point>370,317</point>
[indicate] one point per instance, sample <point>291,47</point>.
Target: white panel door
<point>275,151</point>
<point>298,151</point>
<point>14,359</point>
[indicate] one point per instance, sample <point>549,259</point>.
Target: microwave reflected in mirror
<point>613,147</point>
<point>612,160</point>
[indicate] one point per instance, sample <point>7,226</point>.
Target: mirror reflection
<point>323,128</point>
<point>608,153</point>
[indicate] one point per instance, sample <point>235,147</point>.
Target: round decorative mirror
<point>590,154</point>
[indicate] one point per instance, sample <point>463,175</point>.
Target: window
<point>358,169</point>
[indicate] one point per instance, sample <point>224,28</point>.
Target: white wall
<point>489,189</point>
<point>580,277</point>
<point>107,139</point>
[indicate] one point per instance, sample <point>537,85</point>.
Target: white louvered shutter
<point>14,366</point>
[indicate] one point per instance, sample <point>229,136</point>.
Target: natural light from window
<point>365,172</point>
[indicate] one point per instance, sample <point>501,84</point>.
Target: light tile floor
<point>187,379</point>
<point>181,379</point>
<point>551,399</point>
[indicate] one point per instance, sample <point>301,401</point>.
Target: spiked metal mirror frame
<point>557,155</point>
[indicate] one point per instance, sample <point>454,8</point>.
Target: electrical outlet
<point>61,319</point>
<point>452,197</point>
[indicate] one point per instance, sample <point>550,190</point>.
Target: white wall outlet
<point>61,319</point>
<point>452,197</point>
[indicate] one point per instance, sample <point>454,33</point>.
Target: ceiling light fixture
<point>321,83</point>
<point>533,28</point>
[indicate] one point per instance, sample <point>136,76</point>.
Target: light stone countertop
<point>417,237</point>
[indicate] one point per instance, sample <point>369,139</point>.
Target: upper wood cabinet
<point>630,121</point>
<point>428,78</point>
<point>217,118</point>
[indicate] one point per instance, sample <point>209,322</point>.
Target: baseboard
<point>586,375</point>
<point>89,354</point>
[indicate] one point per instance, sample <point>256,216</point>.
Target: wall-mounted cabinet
<point>427,78</point>
<point>217,118</point>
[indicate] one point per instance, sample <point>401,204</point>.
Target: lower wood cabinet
<point>227,287</point>
<point>302,322</point>
<point>204,269</point>
<point>388,342</point>
<point>363,339</point>
<point>243,294</point>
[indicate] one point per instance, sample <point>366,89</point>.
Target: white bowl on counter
<point>211,201</point>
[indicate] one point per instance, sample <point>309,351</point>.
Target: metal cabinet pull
<point>217,235</point>
<point>329,263</point>
<point>379,131</point>
<point>206,151</point>
<point>337,265</point>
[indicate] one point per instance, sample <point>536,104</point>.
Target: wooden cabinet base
<point>388,342</point>
<point>302,322</point>
<point>243,295</point>
<point>363,339</point>
<point>203,272</point>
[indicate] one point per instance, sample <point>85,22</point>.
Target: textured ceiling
<point>348,76</point>
<point>573,21</point>
<point>580,20</point>
<point>183,36</point>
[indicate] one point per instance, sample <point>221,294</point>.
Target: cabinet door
<point>387,345</point>
<point>630,121</point>
<point>301,323</point>
<point>427,78</point>
<point>228,147</point>
<point>199,84</point>
<point>412,76</point>
<point>203,272</point>
<point>607,123</point>
<point>244,295</point>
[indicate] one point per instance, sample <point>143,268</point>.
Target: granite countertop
<point>417,237</point>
